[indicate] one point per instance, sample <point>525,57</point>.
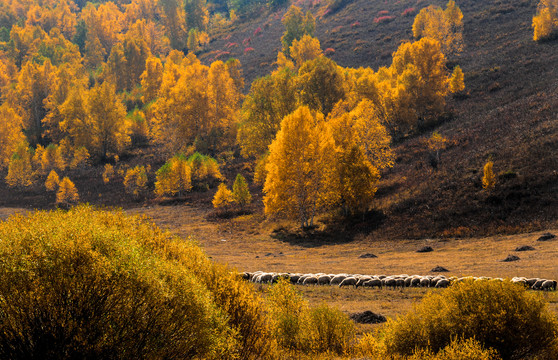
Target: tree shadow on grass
<point>337,230</point>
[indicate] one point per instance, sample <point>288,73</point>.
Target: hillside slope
<point>508,114</point>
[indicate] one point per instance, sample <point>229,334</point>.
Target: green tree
<point>296,26</point>
<point>241,192</point>
<point>270,99</point>
<point>321,84</point>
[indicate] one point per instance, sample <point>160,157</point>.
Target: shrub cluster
<point>297,327</point>
<point>94,284</point>
<point>471,320</point>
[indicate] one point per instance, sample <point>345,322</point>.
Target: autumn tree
<point>205,170</point>
<point>436,143</point>
<point>174,18</point>
<point>174,177</point>
<point>28,96</point>
<point>107,117</point>
<point>67,193</point>
<point>488,177</point>
<point>305,49</point>
<point>52,181</point>
<point>300,167</point>
<point>296,26</point>
<point>445,26</point>
<point>419,69</point>
<point>457,82</point>
<point>108,173</point>
<point>545,22</point>
<point>270,99</point>
<point>127,62</point>
<point>241,193</point>
<point>151,79</point>
<point>223,197</point>
<point>197,105</point>
<point>135,181</point>
<point>362,150</point>
<point>321,84</point>
<point>11,134</point>
<point>20,169</point>
<point>80,158</point>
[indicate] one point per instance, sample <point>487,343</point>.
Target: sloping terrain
<point>508,113</point>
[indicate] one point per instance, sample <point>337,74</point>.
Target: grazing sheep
<point>538,284</point>
<point>415,282</point>
<point>549,285</point>
<point>302,278</point>
<point>338,279</point>
<point>349,281</point>
<point>310,280</point>
<point>532,281</point>
<point>373,283</point>
<point>424,282</point>
<point>324,280</point>
<point>389,282</point>
<point>264,278</point>
<point>294,278</point>
<point>362,280</point>
<point>400,283</point>
<point>442,283</point>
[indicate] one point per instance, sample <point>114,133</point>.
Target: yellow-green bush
<point>297,327</point>
<point>499,315</point>
<point>94,284</point>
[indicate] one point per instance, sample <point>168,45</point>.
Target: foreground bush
<point>91,284</point>
<point>299,328</point>
<point>499,315</point>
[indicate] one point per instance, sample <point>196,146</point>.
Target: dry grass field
<point>251,243</point>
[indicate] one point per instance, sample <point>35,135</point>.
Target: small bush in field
<point>295,326</point>
<point>499,315</point>
<point>330,330</point>
<point>91,284</point>
<point>287,311</point>
<point>223,197</point>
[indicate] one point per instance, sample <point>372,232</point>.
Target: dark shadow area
<point>337,230</point>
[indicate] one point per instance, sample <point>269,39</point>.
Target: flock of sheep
<point>384,281</point>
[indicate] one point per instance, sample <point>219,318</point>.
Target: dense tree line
<point>81,83</point>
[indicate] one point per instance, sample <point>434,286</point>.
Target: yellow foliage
<point>300,167</point>
<point>174,177</point>
<point>457,82</point>
<point>109,128</point>
<point>135,181</point>
<point>108,173</point>
<point>271,98</point>
<point>445,26</point>
<point>197,105</point>
<point>223,197</point>
<point>20,171</point>
<point>307,48</point>
<point>151,79</point>
<point>150,293</point>
<point>52,181</point>
<point>488,177</point>
<point>11,134</point>
<point>545,22</point>
<point>80,158</point>
<point>67,193</point>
